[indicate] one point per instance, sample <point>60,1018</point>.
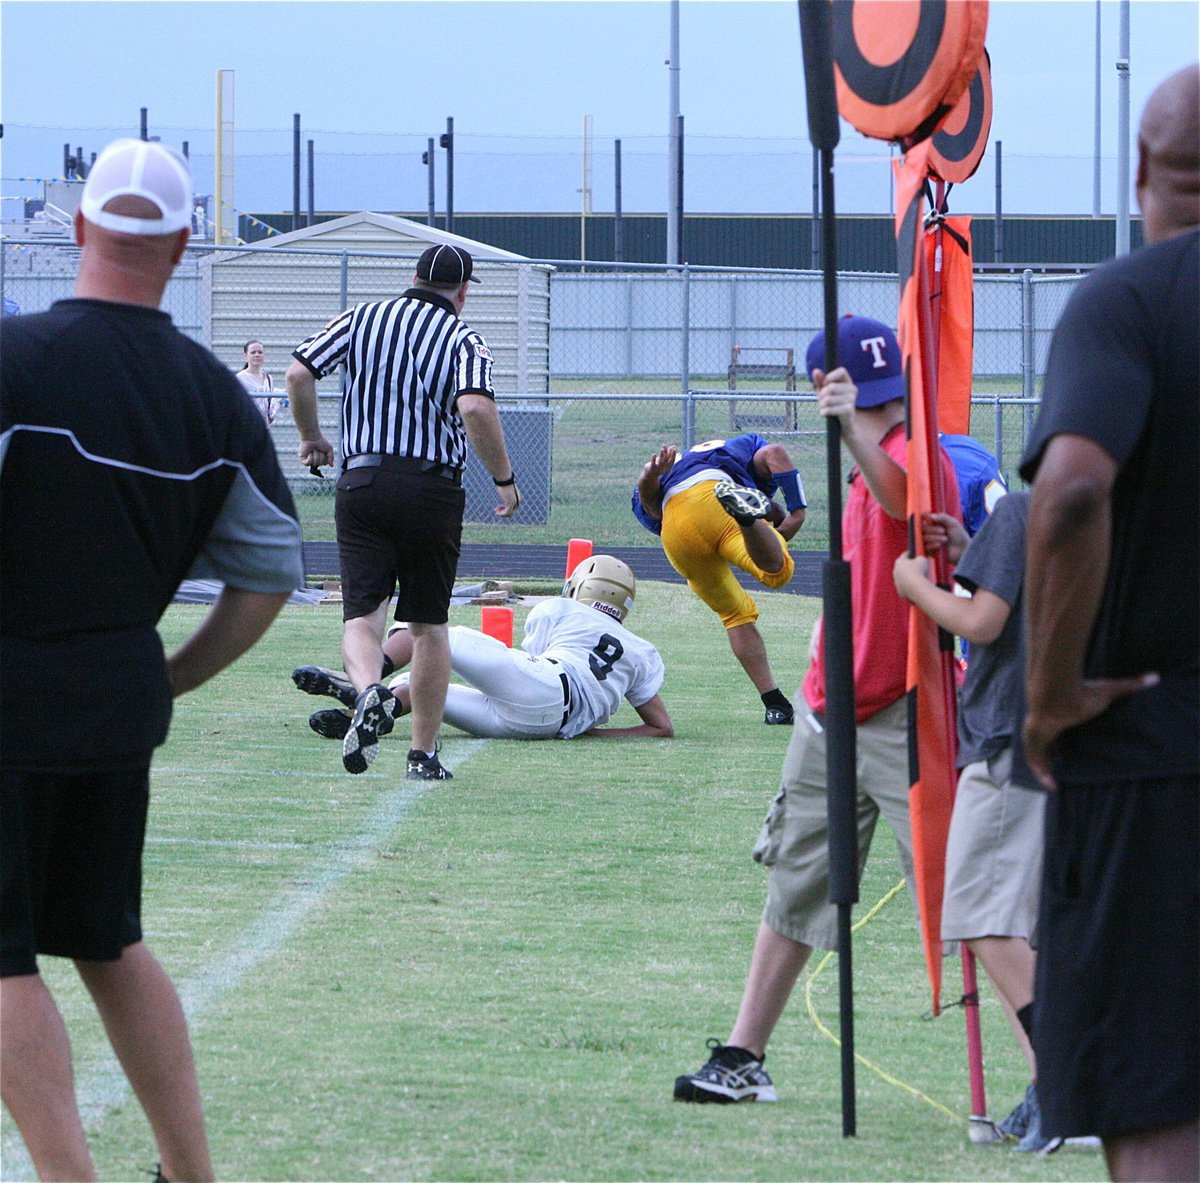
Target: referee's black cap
<point>446,266</point>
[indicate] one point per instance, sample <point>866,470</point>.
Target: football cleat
<point>746,506</point>
<point>372,719</point>
<point>330,724</point>
<point>422,766</point>
<point>314,679</point>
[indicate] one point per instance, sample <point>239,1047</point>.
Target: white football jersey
<point>604,662</point>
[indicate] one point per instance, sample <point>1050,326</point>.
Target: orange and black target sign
<point>959,143</point>
<point>902,65</point>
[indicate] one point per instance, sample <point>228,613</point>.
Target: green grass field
<point>599,445</point>
<point>499,976</point>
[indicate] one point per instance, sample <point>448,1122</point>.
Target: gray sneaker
<point>1034,1141</point>
<point>745,506</point>
<point>732,1074</point>
<point>1016,1124</point>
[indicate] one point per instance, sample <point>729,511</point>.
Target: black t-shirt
<point>1124,371</point>
<point>130,459</point>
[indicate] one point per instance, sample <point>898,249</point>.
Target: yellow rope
<point>820,1026</point>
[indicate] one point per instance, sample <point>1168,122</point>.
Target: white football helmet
<point>603,583</point>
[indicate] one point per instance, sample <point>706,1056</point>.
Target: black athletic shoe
<point>780,715</point>
<point>372,719</point>
<point>425,767</point>
<point>731,1074</point>
<point>330,724</point>
<point>314,679</point>
<point>744,505</point>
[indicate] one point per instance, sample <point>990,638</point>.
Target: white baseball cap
<point>139,168</point>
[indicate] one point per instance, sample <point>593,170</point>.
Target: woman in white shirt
<point>257,381</point>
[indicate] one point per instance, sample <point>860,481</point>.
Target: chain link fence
<point>597,365</point>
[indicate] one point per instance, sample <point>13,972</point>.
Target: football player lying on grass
<point>576,663</point>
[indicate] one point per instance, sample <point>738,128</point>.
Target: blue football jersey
<point>732,457</point>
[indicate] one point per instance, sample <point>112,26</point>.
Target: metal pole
<point>344,282</point>
<point>1028,353</point>
<point>1123,134</point>
<point>145,129</point>
<point>678,214</point>
<point>585,187</point>
<point>448,144</point>
<point>427,157</point>
<point>66,157</point>
<point>618,229</point>
<point>816,210</point>
<point>311,219</point>
<point>295,172</point>
<point>840,739</point>
<point>672,134</point>
<point>685,383</point>
<point>186,154</point>
<point>1096,123</point>
<point>998,236</point>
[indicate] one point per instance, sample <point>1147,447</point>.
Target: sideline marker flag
<point>931,687</point>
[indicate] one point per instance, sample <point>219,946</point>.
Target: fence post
<point>3,260</point>
<point>344,282</point>
<point>1028,353</point>
<point>685,381</point>
<point>998,431</point>
<point>628,326</point>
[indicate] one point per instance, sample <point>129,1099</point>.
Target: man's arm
<point>315,449</point>
<point>234,623</point>
<point>656,724</point>
<point>481,418</point>
<point>1069,548</point>
<point>887,481</point>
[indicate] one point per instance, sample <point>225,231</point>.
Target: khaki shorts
<point>993,856</point>
<point>794,842</point>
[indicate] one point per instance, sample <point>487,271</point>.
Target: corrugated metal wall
<point>761,240</point>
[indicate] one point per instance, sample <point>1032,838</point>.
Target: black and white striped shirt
<point>407,360</point>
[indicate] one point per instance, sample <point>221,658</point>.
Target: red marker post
<point>497,621</point>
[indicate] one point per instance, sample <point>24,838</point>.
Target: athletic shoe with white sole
<point>745,506</point>
<point>372,719</point>
<point>330,724</point>
<point>315,679</point>
<point>422,766</point>
<point>732,1074</point>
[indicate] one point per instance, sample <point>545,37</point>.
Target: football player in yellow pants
<point>712,508</point>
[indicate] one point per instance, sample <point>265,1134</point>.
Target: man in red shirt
<point>866,395</point>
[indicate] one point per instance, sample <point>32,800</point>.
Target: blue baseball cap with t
<point>871,355</point>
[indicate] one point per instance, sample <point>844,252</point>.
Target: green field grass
<point>499,976</point>
<point>600,444</point>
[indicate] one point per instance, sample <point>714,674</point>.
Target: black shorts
<point>1117,998</point>
<point>70,864</point>
<point>398,531</point>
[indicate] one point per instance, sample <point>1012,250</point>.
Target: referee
<point>417,386</point>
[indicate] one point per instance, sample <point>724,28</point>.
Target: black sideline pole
<point>817,42</point>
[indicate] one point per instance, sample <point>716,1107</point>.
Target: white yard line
<point>103,1087</point>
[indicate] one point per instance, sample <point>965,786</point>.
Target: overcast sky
<point>372,81</point>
